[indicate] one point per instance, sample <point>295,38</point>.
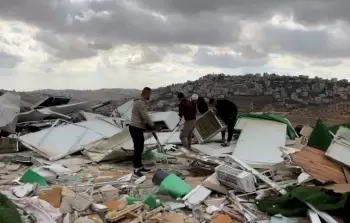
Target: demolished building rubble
<point>77,168</point>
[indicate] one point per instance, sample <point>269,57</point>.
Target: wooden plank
<point>338,188</point>
<point>121,214</point>
<point>346,174</point>
<point>315,163</point>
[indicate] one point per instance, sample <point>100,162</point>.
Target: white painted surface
<point>196,196</point>
<point>343,133</point>
<point>313,217</point>
<point>90,116</point>
<point>125,109</point>
<point>57,142</point>
<point>339,150</point>
<point>241,122</point>
<point>170,118</point>
<point>259,142</point>
<point>214,149</point>
<point>119,122</point>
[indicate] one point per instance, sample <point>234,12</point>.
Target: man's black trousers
<point>139,141</point>
<point>230,128</point>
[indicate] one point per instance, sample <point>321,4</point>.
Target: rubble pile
<point>63,163</point>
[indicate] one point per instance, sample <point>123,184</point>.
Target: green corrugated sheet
<point>320,137</point>
<point>290,130</point>
<point>293,204</point>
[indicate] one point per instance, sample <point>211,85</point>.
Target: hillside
<point>255,92</point>
<point>300,98</point>
<point>94,96</point>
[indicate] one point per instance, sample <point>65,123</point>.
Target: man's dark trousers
<point>139,141</point>
<point>230,128</point>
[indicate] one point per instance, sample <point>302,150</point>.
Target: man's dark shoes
<point>142,169</point>
<point>138,173</point>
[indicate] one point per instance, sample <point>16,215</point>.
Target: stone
<point>109,193</point>
<point>67,192</point>
<point>68,197</point>
<point>84,220</point>
<point>97,198</point>
<point>81,202</point>
<point>13,167</point>
<point>66,205</point>
<point>74,168</point>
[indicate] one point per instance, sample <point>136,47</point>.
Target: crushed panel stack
<point>207,126</point>
<point>236,179</point>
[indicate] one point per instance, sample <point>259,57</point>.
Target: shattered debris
<point>78,168</point>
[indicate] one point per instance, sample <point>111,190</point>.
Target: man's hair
<point>211,101</point>
<point>146,89</point>
<point>180,95</point>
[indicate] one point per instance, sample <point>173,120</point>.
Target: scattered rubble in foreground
<point>64,163</point>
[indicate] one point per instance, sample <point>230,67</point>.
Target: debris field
<point>63,162</point>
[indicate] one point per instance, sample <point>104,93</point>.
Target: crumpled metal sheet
<point>9,110</point>
<point>116,147</point>
<point>56,142</point>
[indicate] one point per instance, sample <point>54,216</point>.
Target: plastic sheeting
<point>9,110</point>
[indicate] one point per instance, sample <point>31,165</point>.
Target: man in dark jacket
<point>187,110</point>
<point>227,111</point>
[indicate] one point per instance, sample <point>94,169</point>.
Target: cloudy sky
<point>90,44</point>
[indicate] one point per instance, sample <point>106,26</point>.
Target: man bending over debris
<point>140,121</point>
<point>187,110</point>
<point>227,111</point>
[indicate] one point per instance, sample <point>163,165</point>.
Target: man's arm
<point>144,114</point>
<point>181,110</point>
